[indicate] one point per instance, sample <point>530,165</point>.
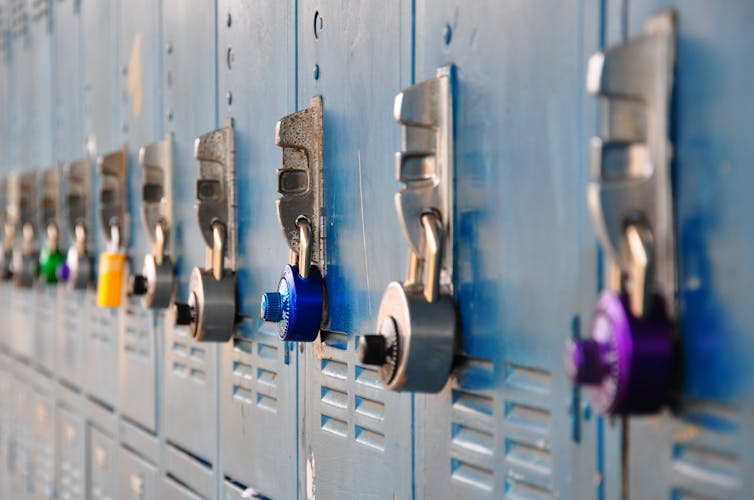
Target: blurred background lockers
<point>98,403</point>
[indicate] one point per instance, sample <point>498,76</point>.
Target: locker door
<point>69,137</point>
<point>43,445</point>
<point>71,452</point>
<point>102,465</point>
<point>188,80</point>
<point>139,56</point>
<point>356,434</point>
<point>101,91</point>
<point>258,430</point>
<point>704,449</point>
<point>508,422</point>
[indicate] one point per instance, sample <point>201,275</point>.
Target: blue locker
<point>356,434</point>
<point>190,368</point>
<point>139,50</point>
<point>101,117</point>
<point>704,447</point>
<point>256,62</point>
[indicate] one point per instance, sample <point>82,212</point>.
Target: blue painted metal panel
<point>525,261</point>
<point>705,447</point>
<point>189,85</point>
<point>356,435</point>
<point>289,423</point>
<point>139,56</point>
<point>101,116</point>
<point>256,63</point>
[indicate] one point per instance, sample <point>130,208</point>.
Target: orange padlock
<point>110,279</point>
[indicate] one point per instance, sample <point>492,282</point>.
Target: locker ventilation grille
<point>352,399</point>
<point>23,316</point>
<point>44,468</point>
<point>472,427</point>
<point>527,428</point>
<point>74,321</point>
<point>136,339</point>
<point>189,357</point>
<point>705,456</point>
<point>103,325</point>
<point>45,320</point>
<point>255,371</point>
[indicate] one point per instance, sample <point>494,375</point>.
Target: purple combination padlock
<point>627,361</point>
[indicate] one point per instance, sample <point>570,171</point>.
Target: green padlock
<point>49,261</point>
<point>50,258</point>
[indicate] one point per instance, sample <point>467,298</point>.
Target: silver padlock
<point>25,256</point>
<point>417,322</point>
<point>157,282</point>
<point>78,270</point>
<point>26,259</point>
<point>210,311</point>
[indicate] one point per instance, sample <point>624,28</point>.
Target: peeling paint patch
<point>310,476</point>
<point>134,77</point>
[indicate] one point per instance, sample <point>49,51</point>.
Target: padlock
<point>112,264</point>
<point>77,269</point>
<point>210,312</point>
<point>157,283</point>
<point>26,260</point>
<point>50,258</point>
<point>297,306</point>
<point>110,279</point>
<point>417,325</point>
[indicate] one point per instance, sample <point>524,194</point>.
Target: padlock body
<point>49,261</point>
<point>110,279</point>
<point>214,303</point>
<point>161,283</point>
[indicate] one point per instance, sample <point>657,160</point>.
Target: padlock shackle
<point>79,232</point>
<point>53,236</point>
<point>432,255</point>
<point>160,240</point>
<point>219,235</point>
<point>304,246</point>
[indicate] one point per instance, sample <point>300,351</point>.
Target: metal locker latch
<point>157,281</point>
<point>417,321</point>
<point>78,269</point>
<point>628,357</point>
<point>210,311</point>
<point>9,233</point>
<point>298,304</point>
<point>114,224</point>
<point>22,210</point>
<point>50,258</point>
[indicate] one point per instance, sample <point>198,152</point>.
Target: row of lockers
<point>115,402</point>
